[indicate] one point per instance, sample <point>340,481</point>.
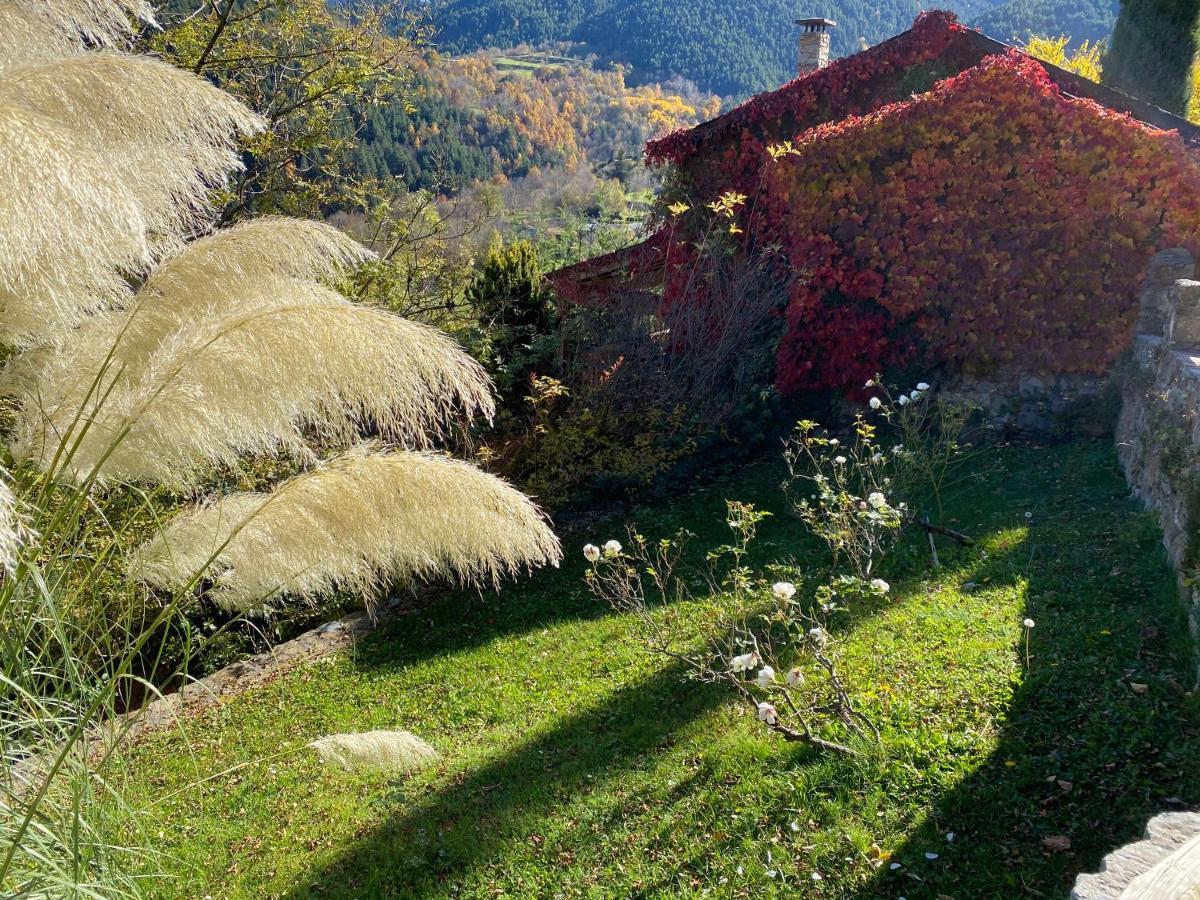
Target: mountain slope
<point>732,47</point>
<point>1016,20</point>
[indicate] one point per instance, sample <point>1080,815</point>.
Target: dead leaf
<point>1057,843</point>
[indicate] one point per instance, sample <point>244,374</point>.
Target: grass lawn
<point>575,765</point>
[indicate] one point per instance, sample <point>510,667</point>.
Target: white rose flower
<point>591,552</point>
<point>766,677</point>
<point>743,663</point>
<point>783,590</point>
<point>903,400</point>
<point>840,460</point>
<point>1029,623</point>
<point>880,585</point>
<point>833,442</point>
<point>795,677</point>
<point>922,386</point>
<point>877,500</point>
<point>915,395</point>
<point>612,548</point>
<point>875,403</point>
<point>767,713</point>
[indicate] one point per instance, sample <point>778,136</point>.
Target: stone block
<point>1164,270</point>
<point>1146,348</point>
<point>1183,315</point>
<point>1165,834</point>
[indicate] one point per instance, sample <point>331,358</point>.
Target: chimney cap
<point>817,24</point>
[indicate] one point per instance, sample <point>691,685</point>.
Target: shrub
<point>643,384</point>
<point>769,644</point>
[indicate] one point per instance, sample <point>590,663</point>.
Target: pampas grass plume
<point>360,522</point>
<point>31,29</point>
<point>375,751</point>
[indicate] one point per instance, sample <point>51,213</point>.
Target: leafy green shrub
<point>516,331</point>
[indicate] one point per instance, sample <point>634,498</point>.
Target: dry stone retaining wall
<point>1158,442</point>
<point>1158,432</point>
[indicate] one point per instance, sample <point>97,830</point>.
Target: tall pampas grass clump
<point>290,361</point>
<point>30,29</point>
<point>142,345</point>
<point>125,149</point>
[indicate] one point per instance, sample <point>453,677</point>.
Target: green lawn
<point>575,765</point>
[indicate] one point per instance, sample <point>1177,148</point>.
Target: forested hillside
<point>476,117</point>
<point>1090,20</point>
<point>732,47</point>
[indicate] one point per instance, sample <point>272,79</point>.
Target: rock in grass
<point>375,751</point>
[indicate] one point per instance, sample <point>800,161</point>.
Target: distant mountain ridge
<point>733,47</point>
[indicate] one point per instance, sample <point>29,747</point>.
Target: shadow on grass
<point>461,620</point>
<point>473,820</point>
<point>1086,754</point>
<point>1080,754</point>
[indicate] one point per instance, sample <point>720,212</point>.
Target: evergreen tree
<point>1153,49</point>
<point>515,311</point>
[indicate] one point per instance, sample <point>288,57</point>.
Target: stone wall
<point>1045,408</point>
<point>1158,432</point>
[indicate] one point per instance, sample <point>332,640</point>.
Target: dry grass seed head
<point>360,522</point>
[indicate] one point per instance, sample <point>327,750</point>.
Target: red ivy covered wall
<point>991,221</point>
<point>980,221</point>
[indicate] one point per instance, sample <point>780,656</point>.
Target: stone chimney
<point>814,44</point>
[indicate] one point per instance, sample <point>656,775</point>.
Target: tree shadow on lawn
<point>1080,753</point>
<point>1083,754</point>
<point>461,620</point>
<point>485,811</point>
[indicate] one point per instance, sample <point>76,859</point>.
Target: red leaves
<point>855,83</point>
<point>990,221</point>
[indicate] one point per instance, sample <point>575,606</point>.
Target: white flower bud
<point>744,662</point>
